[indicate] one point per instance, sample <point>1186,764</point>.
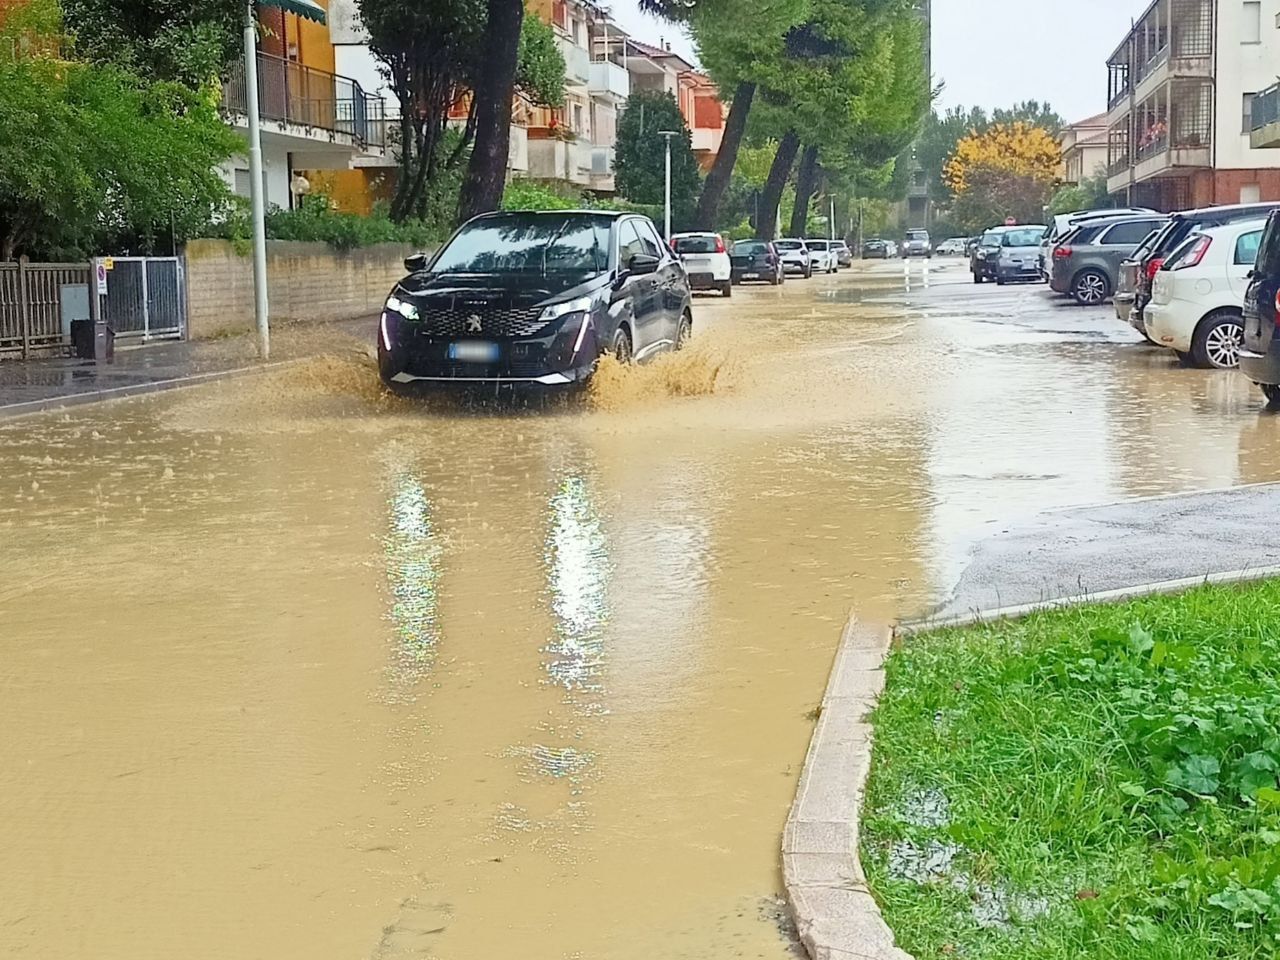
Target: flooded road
<point>293,670</point>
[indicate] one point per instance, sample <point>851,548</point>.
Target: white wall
<point>1243,68</point>
<point>275,170</point>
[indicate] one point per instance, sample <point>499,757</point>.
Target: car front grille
<point>483,321</point>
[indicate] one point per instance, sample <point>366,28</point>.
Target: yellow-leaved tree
<point>1007,171</point>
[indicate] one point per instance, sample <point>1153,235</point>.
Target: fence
<point>146,299</point>
<point>38,301</point>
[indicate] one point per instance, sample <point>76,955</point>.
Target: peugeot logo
<point>473,323</point>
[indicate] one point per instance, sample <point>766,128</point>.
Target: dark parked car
<point>534,298</point>
<point>756,260</point>
<point>1260,353</point>
<point>984,253</point>
<point>1086,260</point>
<point>875,249</point>
<point>1139,274</point>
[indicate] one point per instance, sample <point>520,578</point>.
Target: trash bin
<point>84,340</point>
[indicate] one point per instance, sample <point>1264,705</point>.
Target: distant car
<point>1019,255</point>
<point>756,260</point>
<point>983,254</point>
<point>1260,354</point>
<point>844,256</point>
<point>795,257</point>
<point>824,256</point>
<point>1084,263</point>
<point>892,247</point>
<point>1180,226</point>
<point>533,299</point>
<point>875,249</point>
<point>954,247</point>
<point>1197,293</point>
<point>706,261</point>
<point>916,244</point>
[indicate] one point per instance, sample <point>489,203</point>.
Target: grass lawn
<point>1094,782</point>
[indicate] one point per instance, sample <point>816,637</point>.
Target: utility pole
<point>255,186</point>
<point>667,135</point>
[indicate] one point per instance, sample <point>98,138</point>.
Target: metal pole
<point>831,223</point>
<point>667,135</point>
<point>255,185</point>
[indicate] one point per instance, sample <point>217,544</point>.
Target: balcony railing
<point>1266,108</point>
<point>291,93</point>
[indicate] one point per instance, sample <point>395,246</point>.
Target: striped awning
<point>303,8</point>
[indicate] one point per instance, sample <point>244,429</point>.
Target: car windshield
<point>534,243</point>
<point>788,244</point>
<point>1024,237</point>
<point>750,247</point>
<point>990,240</point>
<point>695,245</point>
<point>917,235</point>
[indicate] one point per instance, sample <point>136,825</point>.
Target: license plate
<point>751,276</point>
<point>473,351</point>
<point>696,262</point>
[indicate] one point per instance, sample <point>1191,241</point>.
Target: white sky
<point>993,53</point>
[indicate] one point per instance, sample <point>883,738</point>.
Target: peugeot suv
<point>534,299</point>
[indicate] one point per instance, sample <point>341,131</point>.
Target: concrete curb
<point>27,408</point>
<point>835,914</point>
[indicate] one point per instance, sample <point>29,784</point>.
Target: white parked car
<point>795,256</point>
<point>891,249</point>
<point>824,256</point>
<point>1196,297</point>
<point>953,247</point>
<point>706,261</point>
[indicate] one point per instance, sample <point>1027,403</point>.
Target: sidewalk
<point>34,385</point>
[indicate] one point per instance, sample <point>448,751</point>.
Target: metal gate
<point>38,301</point>
<point>146,297</point>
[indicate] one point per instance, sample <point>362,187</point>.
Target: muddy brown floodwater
<point>290,670</point>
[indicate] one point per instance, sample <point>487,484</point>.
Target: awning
<point>303,8</point>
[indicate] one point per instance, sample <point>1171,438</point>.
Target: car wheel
<point>1184,358</point>
<point>1090,288</point>
<point>808,272</point>
<point>1217,341</point>
<point>1272,392</point>
<point>977,277</point>
<point>621,346</point>
<point>775,279</point>
<point>1000,281</point>
<point>684,332</point>
<point>727,289</point>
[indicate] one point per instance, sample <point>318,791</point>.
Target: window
<point>242,188</point>
<point>569,244</point>
<point>578,126</point>
<point>1250,193</point>
<point>629,243</point>
<point>1128,234</point>
<point>1247,247</point>
<point>1248,112</point>
<point>1251,25</point>
<point>696,245</point>
<point>653,244</point>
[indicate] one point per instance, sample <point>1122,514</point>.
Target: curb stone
<point>835,914</point>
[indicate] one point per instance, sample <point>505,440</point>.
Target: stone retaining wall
<point>305,282</point>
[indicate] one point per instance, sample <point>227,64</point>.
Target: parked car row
<point>1007,254</point>
<point>713,265</point>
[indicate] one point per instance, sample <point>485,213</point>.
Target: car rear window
<point>1128,234</point>
<point>749,248</point>
<point>1174,232</point>
<point>787,244</point>
<point>696,245</point>
<point>1026,237</point>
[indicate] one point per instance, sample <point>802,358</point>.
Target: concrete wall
<point>1242,67</point>
<point>305,282</point>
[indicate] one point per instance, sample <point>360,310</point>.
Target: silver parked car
<point>1018,256</point>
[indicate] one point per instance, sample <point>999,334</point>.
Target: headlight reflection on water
<point>413,568</point>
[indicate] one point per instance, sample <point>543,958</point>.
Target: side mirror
<point>415,262</point>
<point>642,264</point>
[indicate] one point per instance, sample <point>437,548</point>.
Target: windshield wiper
<point>554,237</point>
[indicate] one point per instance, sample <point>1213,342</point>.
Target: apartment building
<point>659,68</point>
<point>1182,87</point>
<point>314,120</point>
<point>1084,149</point>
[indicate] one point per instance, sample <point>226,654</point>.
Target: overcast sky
<point>996,52</point>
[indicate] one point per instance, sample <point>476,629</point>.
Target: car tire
<point>684,331</point>
<point>1217,340</point>
<point>1184,358</point>
<point>621,345</point>
<point>727,289</point>
<point>977,277</point>
<point>1090,288</point>
<point>1272,392</point>
<point>1000,281</point>
<point>808,272</point>
<point>775,279</point>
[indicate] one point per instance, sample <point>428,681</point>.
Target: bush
<point>541,195</point>
<point>314,222</point>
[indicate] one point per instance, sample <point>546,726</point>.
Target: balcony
<point>608,79</point>
<point>308,104</point>
<point>602,168</point>
<point>577,62</point>
<point>556,159</point>
<point>1173,129</point>
<point>1172,40</point>
<point>1265,116</point>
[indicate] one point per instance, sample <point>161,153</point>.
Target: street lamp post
<point>667,135</point>
<point>257,201</point>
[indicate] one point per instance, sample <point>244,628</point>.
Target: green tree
<point>93,158</point>
<point>191,43</point>
<point>1088,194</point>
<point>638,166</point>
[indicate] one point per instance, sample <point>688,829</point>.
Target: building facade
<point>1181,91</point>
<point>1084,150</point>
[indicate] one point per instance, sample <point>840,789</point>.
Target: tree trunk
<point>779,173</point>
<point>806,184</point>
<point>722,170</point>
<point>487,170</point>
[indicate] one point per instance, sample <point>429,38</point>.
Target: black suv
<point>534,299</point>
<point>1260,354</point>
<point>1137,274</point>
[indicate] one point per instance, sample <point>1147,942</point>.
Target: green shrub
<point>541,195</point>
<point>315,222</point>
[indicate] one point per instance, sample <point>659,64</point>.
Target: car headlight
<point>403,307</point>
<point>557,310</point>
